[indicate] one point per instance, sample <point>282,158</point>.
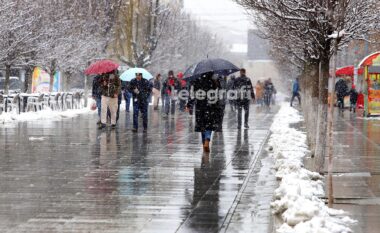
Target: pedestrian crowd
<point>205,97</point>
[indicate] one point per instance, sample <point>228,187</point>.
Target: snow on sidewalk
<point>298,199</point>
<point>47,114</point>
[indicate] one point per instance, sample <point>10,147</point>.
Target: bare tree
<point>304,31</point>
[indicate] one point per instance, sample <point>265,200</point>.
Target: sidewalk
<point>64,175</point>
<point>356,170</point>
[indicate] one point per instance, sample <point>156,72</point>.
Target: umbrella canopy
<point>131,74</point>
<point>218,66</point>
<point>101,67</point>
<point>347,71</point>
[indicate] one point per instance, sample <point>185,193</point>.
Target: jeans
<point>267,99</point>
<point>169,104</point>
<point>98,101</point>
<point>143,108</point>
<point>127,97</point>
<point>340,99</point>
<point>240,107</point>
<point>295,94</point>
<point>206,135</point>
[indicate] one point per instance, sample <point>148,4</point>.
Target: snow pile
<point>297,200</point>
<point>47,114</point>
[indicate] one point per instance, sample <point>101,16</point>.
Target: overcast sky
<point>225,17</point>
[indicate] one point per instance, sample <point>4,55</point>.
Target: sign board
<point>41,81</point>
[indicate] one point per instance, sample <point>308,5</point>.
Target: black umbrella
<point>218,66</point>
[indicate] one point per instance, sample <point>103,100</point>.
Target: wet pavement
<point>67,176</point>
<point>356,170</point>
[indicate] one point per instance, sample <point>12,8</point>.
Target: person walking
<point>341,92</point>
<point>127,94</point>
<point>353,98</point>
<point>111,87</point>
<point>259,93</point>
<point>230,87</point>
<point>170,88</point>
<point>296,92</point>
<point>244,87</point>
<point>206,109</point>
<point>97,95</point>
<point>156,91</point>
<point>268,92</point>
<point>182,86</point>
<point>141,89</point>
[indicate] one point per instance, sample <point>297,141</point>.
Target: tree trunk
<point>320,154</point>
<point>7,77</point>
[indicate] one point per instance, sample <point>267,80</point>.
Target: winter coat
<point>110,85</point>
<point>125,85</point>
<point>170,86</point>
<point>157,84</point>
<point>96,87</point>
<point>206,111</point>
<point>353,96</point>
<point>341,88</point>
<point>269,89</point>
<point>296,87</point>
<point>259,91</point>
<point>230,84</point>
<point>244,83</point>
<point>140,89</point>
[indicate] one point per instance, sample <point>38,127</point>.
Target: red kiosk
<point>349,71</point>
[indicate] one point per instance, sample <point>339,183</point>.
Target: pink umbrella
<point>101,67</point>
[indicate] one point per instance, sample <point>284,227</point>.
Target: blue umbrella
<point>218,66</point>
<point>131,74</point>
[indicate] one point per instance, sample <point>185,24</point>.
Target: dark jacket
<point>341,88</point>
<point>96,87</point>
<point>296,87</point>
<point>354,96</point>
<point>157,84</point>
<point>170,85</point>
<point>140,89</point>
<point>269,88</point>
<point>110,85</point>
<point>125,86</point>
<point>206,111</point>
<point>241,84</point>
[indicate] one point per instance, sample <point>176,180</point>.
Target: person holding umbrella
<point>140,89</point>
<point>97,95</point>
<point>110,87</point>
<point>205,99</point>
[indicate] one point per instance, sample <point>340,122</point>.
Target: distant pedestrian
<point>97,95</point>
<point>296,92</point>
<point>246,93</point>
<point>171,86</point>
<point>269,90</point>
<point>341,91</point>
<point>111,87</point>
<point>141,89</point>
<point>156,91</point>
<point>127,94</point>
<point>259,93</point>
<point>206,109</point>
<point>353,98</point>
<point>230,87</point>
<point>182,86</point>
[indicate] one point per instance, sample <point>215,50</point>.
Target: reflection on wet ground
<point>356,170</point>
<point>79,179</point>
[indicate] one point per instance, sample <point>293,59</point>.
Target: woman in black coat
<point>206,106</point>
